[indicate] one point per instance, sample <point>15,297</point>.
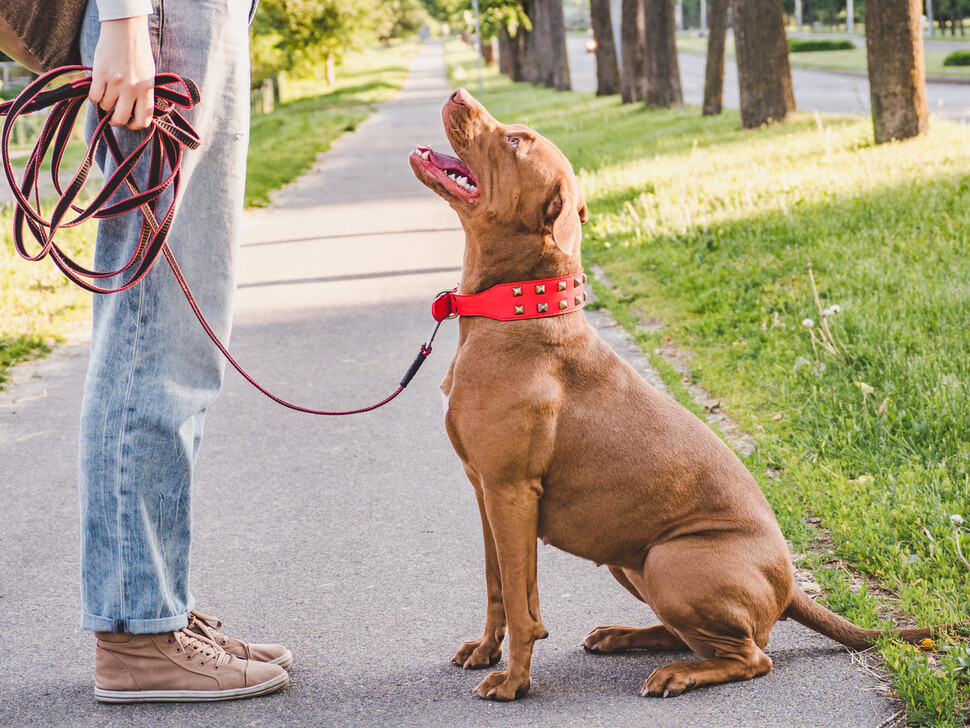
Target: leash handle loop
<point>167,137</point>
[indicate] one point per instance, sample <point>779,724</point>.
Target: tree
<point>714,70</point>
<point>511,49</point>
<point>633,42</point>
<point>399,19</point>
<point>545,61</point>
<point>764,74</point>
<point>897,75</point>
<point>607,69</point>
<point>662,70</point>
<point>505,19</point>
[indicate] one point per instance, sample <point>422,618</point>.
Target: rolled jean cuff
<point>135,626</point>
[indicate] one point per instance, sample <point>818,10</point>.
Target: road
<point>815,90</point>
<point>355,541</point>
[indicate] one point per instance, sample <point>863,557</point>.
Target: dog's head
<point>513,190</point>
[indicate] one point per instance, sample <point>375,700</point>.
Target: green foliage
<point>711,230</point>
<point>493,14</point>
<point>826,12</point>
<point>797,45</point>
<point>400,19</point>
<point>929,692</point>
<point>958,58</point>
<point>297,35</point>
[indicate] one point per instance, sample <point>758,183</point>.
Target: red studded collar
<point>513,301</point>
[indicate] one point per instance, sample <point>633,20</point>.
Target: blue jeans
<point>153,372</point>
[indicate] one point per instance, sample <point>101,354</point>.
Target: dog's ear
<point>562,219</point>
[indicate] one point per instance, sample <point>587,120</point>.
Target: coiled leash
<point>165,140</point>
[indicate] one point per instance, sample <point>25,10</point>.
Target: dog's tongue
<point>445,162</point>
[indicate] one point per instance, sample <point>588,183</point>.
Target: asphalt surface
<point>815,90</point>
<point>355,541</point>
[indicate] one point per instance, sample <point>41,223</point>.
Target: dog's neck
<point>517,258</point>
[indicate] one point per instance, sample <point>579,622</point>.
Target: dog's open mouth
<point>450,172</point>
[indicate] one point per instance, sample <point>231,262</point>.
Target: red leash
<point>166,139</point>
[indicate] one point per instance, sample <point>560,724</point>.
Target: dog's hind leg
<point>723,614</point>
<point>605,640</point>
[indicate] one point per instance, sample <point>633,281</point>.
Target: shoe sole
<point>191,696</point>
<point>284,660</point>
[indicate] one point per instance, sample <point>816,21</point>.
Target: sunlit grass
<point>712,230</point>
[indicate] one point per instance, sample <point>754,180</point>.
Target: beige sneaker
<point>176,666</point>
<point>206,626</point>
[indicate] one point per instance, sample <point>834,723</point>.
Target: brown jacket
<point>41,34</point>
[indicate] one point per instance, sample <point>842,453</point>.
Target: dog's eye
<point>513,141</point>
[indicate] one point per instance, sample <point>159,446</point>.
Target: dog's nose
<point>461,96</point>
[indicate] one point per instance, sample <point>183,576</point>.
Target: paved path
<point>355,541</point>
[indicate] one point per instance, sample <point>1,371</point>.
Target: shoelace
<point>201,645</point>
<point>207,626</point>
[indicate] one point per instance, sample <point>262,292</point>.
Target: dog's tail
<point>816,617</point>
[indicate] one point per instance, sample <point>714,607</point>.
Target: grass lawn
<point>854,60</point>
<point>864,452</point>
<point>37,305</point>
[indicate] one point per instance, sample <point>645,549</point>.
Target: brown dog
<point>564,441</point>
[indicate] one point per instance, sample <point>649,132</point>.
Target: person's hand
<point>123,74</point>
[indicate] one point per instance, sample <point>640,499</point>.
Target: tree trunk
<point>547,64</point>
<point>633,65</point>
<point>510,52</point>
<point>607,69</point>
<point>897,76</point>
<point>558,59</point>
<point>714,73</point>
<point>530,55</point>
<point>764,74</point>
<point>662,69</point>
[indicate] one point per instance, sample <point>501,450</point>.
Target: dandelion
<point>836,309</point>
<point>823,334</point>
<point>957,520</point>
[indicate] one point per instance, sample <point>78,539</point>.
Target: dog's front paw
<point>478,654</point>
<point>499,686</point>
<point>668,681</point>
